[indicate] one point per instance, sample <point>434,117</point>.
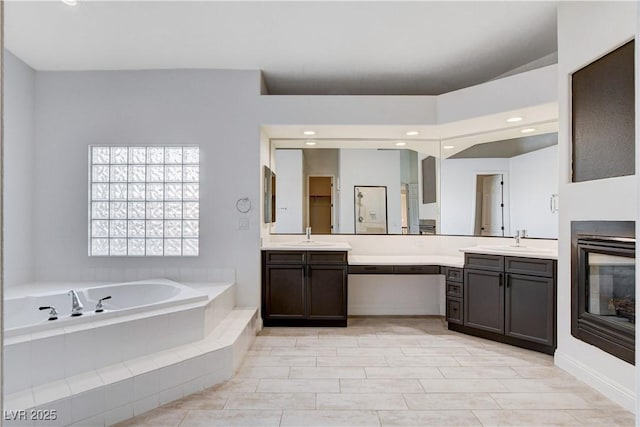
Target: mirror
<point>494,188</point>
<point>489,184</point>
<point>269,195</point>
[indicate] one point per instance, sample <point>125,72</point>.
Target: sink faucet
<point>308,234</point>
<point>76,305</point>
<point>520,234</point>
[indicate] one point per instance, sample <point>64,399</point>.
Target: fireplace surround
<point>603,285</point>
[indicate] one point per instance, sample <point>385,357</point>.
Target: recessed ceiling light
<point>309,132</point>
<point>412,133</point>
<point>514,119</point>
<point>400,144</point>
<point>310,143</point>
<point>528,130</point>
<point>448,147</point>
<point>70,2</point>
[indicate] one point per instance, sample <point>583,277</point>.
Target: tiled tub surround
<point>103,370</point>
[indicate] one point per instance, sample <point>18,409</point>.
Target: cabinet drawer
<point>370,269</point>
<point>416,269</point>
<point>325,257</point>
<point>484,261</point>
<point>532,266</point>
<point>454,310</point>
<point>285,257</point>
<point>453,274</point>
<point>454,289</point>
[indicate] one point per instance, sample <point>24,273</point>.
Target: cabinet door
<point>529,308</point>
<point>484,300</point>
<point>327,292</point>
<point>284,292</point>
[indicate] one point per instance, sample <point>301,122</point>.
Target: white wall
<point>289,191</point>
<point>458,191</point>
<point>533,179</point>
<point>586,31</point>
<point>19,99</point>
<point>370,167</point>
<point>213,109</point>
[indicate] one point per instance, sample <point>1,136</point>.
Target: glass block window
<point>144,201</point>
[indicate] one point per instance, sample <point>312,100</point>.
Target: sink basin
<point>513,248</point>
<point>311,243</point>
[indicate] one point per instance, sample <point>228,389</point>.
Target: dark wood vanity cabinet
<point>304,288</point>
<point>454,288</point>
<point>509,299</point>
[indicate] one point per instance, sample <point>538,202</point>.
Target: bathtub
<point>22,314</point>
<point>141,318</point>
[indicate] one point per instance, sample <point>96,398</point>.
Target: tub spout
<point>76,305</point>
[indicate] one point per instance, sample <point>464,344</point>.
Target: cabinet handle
<point>500,280</point>
<point>308,271</point>
<point>508,281</point>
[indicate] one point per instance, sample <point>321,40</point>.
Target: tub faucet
<point>308,234</point>
<point>53,314</point>
<point>76,305</point>
<point>520,234</point>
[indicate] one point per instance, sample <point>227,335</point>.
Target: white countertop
<point>517,251</point>
<point>447,261</point>
<point>302,245</point>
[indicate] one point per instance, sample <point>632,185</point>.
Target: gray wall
<point>213,109</point>
<point>19,100</point>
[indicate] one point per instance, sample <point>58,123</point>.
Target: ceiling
<point>326,47</point>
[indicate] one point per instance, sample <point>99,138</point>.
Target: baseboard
<point>372,310</point>
<point>614,391</point>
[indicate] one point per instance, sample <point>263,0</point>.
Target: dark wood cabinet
<point>507,299</point>
<point>484,300</point>
<point>304,288</point>
<point>530,308</point>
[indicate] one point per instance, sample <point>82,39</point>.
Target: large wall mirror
<point>488,184</point>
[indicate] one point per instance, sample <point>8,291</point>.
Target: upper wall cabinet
<point>602,117</point>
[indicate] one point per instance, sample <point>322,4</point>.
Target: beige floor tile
<point>327,372</point>
<point>263,372</point>
<point>540,385</point>
<point>435,351</point>
<point>492,361</point>
<point>297,351</point>
<point>541,372</point>
<point>232,418</point>
<point>327,342</point>
<point>428,418</point>
<point>398,372</point>
<point>598,417</point>
<point>237,385</point>
<point>161,417</point>
<point>271,401</point>
<point>387,341</point>
<point>280,361</point>
<point>262,341</point>
<point>462,386</point>
<point>358,401</point>
<point>381,386</point>
<point>422,361</point>
<point>434,401</point>
<point>329,419</point>
<point>364,352</point>
<point>207,399</point>
<point>352,361</point>
<point>540,401</point>
<point>495,372</point>
<point>527,418</point>
<point>299,386</point>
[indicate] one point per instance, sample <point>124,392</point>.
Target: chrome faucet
<point>76,305</point>
<point>308,234</point>
<point>520,234</point>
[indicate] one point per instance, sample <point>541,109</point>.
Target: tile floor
<point>390,372</point>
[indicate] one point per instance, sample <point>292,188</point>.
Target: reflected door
<point>491,206</point>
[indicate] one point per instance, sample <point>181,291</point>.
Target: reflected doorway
<point>490,205</point>
<point>320,204</point>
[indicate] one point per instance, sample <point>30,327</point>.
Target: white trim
<point>612,390</point>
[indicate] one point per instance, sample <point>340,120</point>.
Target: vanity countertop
<point>517,251</point>
<point>444,260</point>
<point>313,245</point>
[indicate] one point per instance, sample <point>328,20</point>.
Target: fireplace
<point>603,285</point>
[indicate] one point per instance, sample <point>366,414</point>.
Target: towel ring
<point>243,205</point>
